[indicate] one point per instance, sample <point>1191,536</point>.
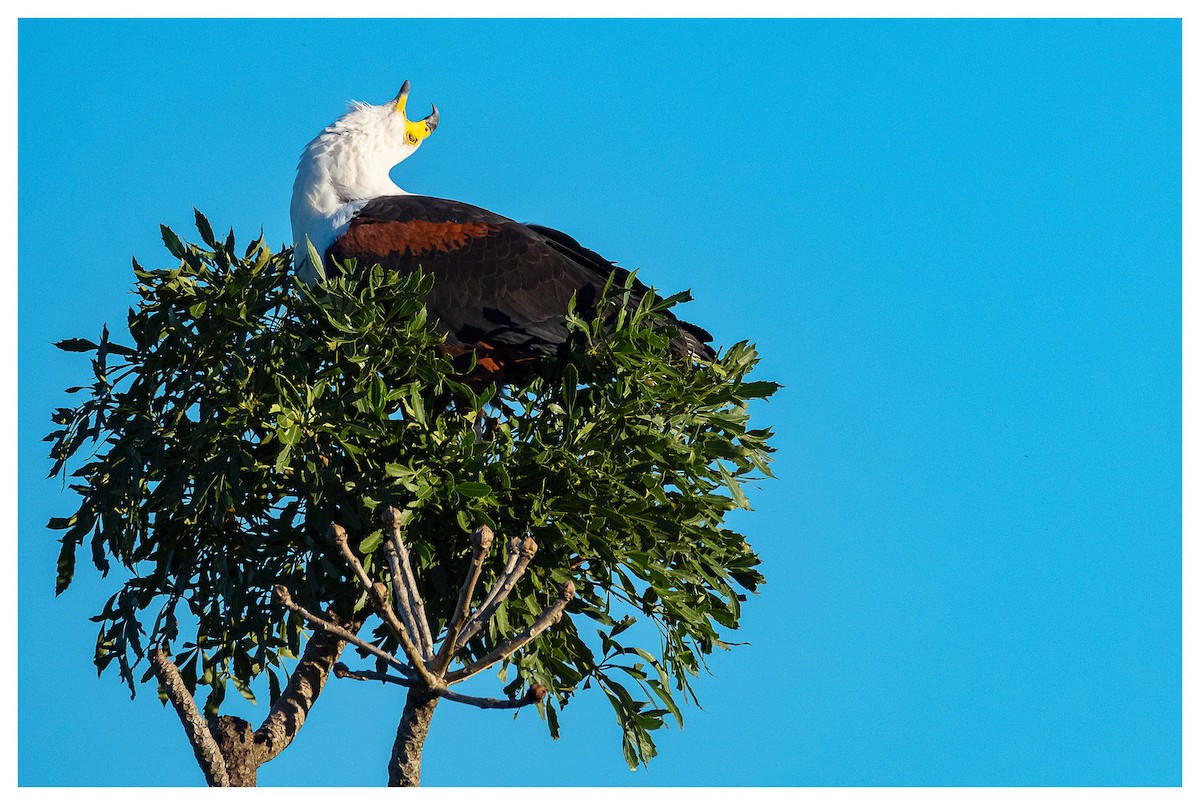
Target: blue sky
<point>956,243</point>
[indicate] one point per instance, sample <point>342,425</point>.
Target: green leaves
<point>202,226</point>
<point>253,411</point>
<point>76,345</point>
<point>172,242</point>
<point>760,389</point>
<point>315,260</point>
<point>473,489</point>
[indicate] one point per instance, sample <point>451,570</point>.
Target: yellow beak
<point>416,130</point>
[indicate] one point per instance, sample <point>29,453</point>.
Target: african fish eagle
<point>500,288</point>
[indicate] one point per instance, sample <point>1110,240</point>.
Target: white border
<point>622,8</point>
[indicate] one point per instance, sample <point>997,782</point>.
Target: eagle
<point>501,289</point>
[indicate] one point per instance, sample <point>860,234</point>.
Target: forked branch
<point>379,598</point>
<point>228,750</point>
<point>403,577</point>
<point>426,672</point>
<point>521,553</point>
<point>548,618</point>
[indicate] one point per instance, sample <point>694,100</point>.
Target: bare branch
<point>378,595</point>
<point>519,560</point>
<point>481,541</point>
<point>342,672</point>
<point>341,540</point>
<point>208,754</point>
<point>514,553</point>
<point>285,598</point>
<point>534,695</point>
<point>391,519</point>
<point>548,618</point>
<point>401,598</point>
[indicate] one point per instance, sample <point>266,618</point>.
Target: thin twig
<point>519,559</point>
<point>391,519</point>
<point>548,618</point>
<point>285,598</point>
<point>481,542</point>
<point>534,695</point>
<point>378,594</point>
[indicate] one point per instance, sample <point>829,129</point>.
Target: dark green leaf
<point>206,233</point>
<point>76,345</point>
<point>758,390</point>
<point>66,566</point>
<point>473,489</point>
<point>172,242</point>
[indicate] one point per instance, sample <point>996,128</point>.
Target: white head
<point>347,164</point>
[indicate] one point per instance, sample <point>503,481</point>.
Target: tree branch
<point>534,695</point>
<point>519,559</point>
<point>401,598</point>
<point>285,598</point>
<point>391,519</point>
<point>307,681</point>
<point>378,595</point>
<point>481,541</point>
<point>208,754</point>
<point>514,553</point>
<point>548,618</point>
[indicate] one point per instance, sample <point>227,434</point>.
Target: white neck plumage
<point>347,165</point>
<point>337,168</point>
<point>339,171</point>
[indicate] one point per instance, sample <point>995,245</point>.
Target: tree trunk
<point>242,752</point>
<point>227,748</point>
<point>404,769</point>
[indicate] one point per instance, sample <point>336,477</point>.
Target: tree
<point>274,457</point>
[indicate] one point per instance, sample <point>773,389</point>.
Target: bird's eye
<point>412,138</point>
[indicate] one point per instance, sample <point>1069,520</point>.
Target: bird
<point>501,289</point>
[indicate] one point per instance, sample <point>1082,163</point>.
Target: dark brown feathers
<point>496,282</point>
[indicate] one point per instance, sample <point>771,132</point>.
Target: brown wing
<point>495,281</point>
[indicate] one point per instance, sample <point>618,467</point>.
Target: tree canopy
<point>246,413</point>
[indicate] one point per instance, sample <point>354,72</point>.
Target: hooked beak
<point>431,121</point>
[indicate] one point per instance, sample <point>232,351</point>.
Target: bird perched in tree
<point>500,289</point>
